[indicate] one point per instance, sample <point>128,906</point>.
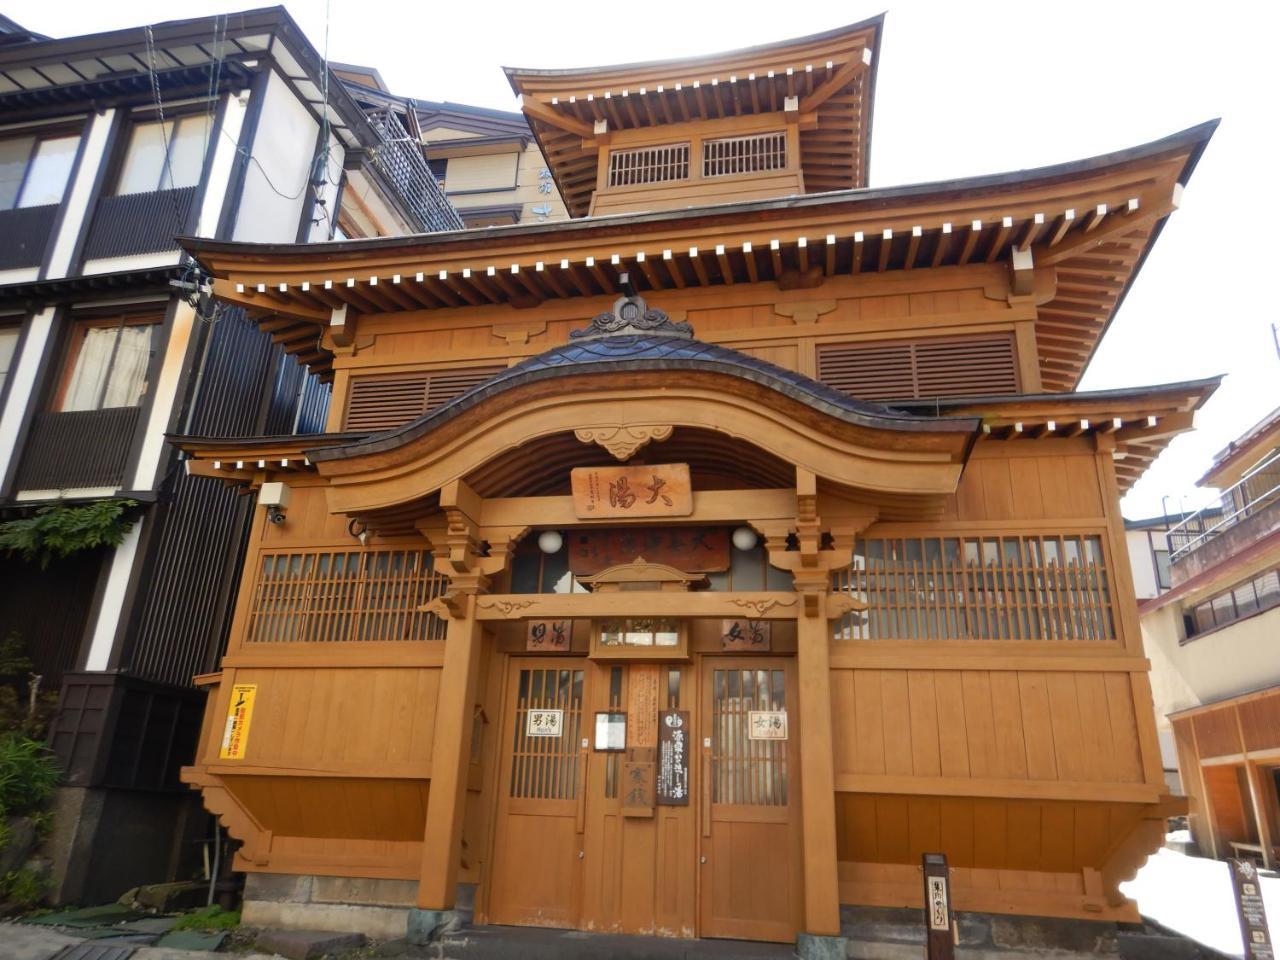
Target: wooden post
<point>939,927</point>
<point>817,761</point>
<point>451,745</point>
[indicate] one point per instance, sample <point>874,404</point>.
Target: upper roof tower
<point>768,121</point>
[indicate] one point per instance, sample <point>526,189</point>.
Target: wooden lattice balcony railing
<point>344,595</point>
<point>1034,587</point>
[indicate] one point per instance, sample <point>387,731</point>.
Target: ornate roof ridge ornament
<point>631,316</point>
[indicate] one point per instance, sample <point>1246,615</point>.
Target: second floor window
<point>163,156</point>
<point>107,363</point>
<point>8,347</point>
<point>34,170</point>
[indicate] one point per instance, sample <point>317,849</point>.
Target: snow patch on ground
<point>1193,896</point>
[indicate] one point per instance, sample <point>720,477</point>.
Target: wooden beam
<point>555,118</point>
<point>840,79</point>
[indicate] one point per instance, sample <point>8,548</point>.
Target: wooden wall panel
<point>365,719</point>
<point>1074,726</point>
<point>1217,734</point>
<point>1229,802</point>
<point>1260,723</point>
<point>1048,836</point>
<point>335,808</point>
<point>1006,482</point>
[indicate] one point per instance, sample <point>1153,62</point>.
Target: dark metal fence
<point>81,448</point>
<point>400,160</point>
<point>139,223</point>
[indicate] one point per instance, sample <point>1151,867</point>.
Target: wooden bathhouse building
<point>693,566</point>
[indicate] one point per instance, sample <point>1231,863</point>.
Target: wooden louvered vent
<point>921,369</point>
<point>385,402</point>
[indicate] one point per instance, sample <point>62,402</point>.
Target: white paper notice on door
<point>545,723</point>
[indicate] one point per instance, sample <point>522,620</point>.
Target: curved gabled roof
<point>831,74</point>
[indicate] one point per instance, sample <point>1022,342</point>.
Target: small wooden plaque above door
<point>548,636</point>
<point>746,635</point>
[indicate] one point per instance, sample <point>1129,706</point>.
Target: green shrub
<point>24,887</point>
<point>211,918</point>
<point>57,530</point>
<point>28,775</point>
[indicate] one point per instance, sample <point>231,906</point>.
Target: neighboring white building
<point>1213,638</point>
<point>111,145</point>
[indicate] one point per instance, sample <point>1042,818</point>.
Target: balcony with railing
<point>400,161</point>
<point>1247,511</point>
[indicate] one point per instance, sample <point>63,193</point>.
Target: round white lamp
<point>744,538</point>
<point>550,541</point>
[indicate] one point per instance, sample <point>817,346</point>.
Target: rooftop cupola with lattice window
<point>770,121</point>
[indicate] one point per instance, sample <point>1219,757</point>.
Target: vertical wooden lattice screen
<point>547,768</point>
<point>345,595</point>
<point>978,588</point>
<point>386,402</point>
<point>755,154</point>
<point>920,369</point>
<point>629,168</point>
<point>746,771</point>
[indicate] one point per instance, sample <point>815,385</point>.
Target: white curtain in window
<point>50,170</point>
<point>186,154</point>
<point>127,380</point>
<point>144,162</point>
<point>90,372</point>
<point>14,155</point>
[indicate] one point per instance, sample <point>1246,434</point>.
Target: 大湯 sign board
<point>659,490</point>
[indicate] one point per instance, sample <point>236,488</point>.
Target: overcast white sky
<point>969,88</point>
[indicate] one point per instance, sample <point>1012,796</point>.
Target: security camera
<point>275,497</point>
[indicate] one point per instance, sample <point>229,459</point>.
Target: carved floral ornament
<point>623,440</point>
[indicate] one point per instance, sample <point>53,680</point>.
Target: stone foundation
<point>376,908</point>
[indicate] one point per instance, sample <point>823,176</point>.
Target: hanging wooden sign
<point>545,723</point>
<point>637,783</point>
<point>642,705</point>
<point>1249,907</point>
<point>691,549</point>
<point>673,758</point>
<point>745,635</point>
<point>235,736</point>
<point>767,724</point>
<point>548,636</point>
<point>660,490</point>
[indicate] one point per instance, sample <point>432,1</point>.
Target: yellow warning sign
<point>236,735</point>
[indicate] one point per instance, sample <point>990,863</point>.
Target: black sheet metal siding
<point>24,234</point>
<point>139,223</point>
<point>47,611</point>
<point>78,448</point>
<point>202,524</point>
